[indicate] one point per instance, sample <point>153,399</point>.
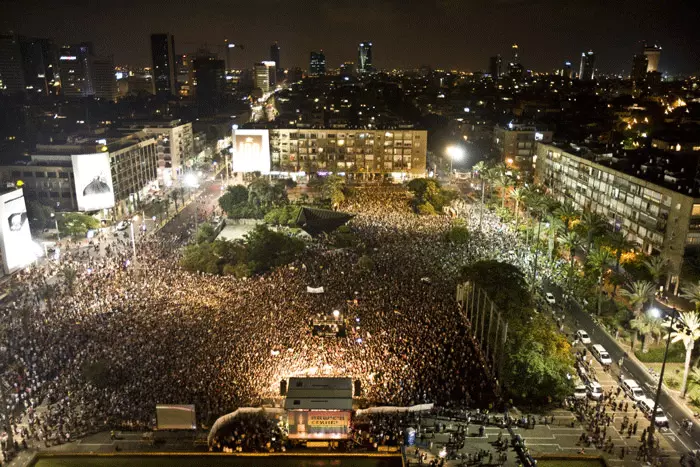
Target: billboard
<point>251,151</point>
<point>93,181</point>
<point>176,417</point>
<point>18,249</point>
<point>319,424</point>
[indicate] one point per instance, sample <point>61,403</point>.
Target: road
<point>677,436</point>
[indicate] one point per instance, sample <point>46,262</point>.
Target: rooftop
<point>319,393</point>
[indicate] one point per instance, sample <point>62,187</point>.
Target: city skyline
<point>396,29</point>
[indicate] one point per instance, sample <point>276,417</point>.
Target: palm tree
<point>692,292</point>
<point>694,377</point>
<point>518,195</point>
<point>552,231</point>
<point>657,329</point>
<point>593,224</point>
<point>687,331</point>
<point>618,242</point>
<point>175,195</point>
<point>568,214</point>
<point>641,325</point>
<point>535,203</point>
<point>657,266</point>
<point>571,241</point>
<point>599,260</point>
<point>638,293</point>
<point>503,181</point>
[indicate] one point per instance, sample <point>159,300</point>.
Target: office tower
<point>653,55</point>
<point>567,70</point>
<point>639,69</point>
<point>11,72</point>
<point>74,69</point>
<point>40,66</point>
<point>495,64</point>
<point>587,70</point>
<point>265,75</point>
<point>210,79</point>
<point>516,58</point>
<point>104,82</point>
<point>295,74</point>
<point>364,53</point>
<point>275,55</point>
<point>185,75</point>
<point>317,63</point>
<point>163,55</point>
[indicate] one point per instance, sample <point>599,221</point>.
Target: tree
<point>77,224</point>
<point>458,234</point>
<point>267,249</point>
<point>644,325</point>
<point>638,293</point>
<point>332,189</point>
<point>593,224</point>
<point>657,267</point>
<point>618,242</point>
<point>504,284</point>
<point>599,260</point>
<point>174,195</point>
<point>40,215</point>
<point>365,263</point>
<point>687,331</point>
<point>518,195</point>
<point>691,292</point>
<point>571,241</point>
<point>205,233</point>
<point>552,231</point>
<point>502,181</point>
<point>568,214</point>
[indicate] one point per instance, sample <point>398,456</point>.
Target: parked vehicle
<point>550,298</point>
<point>583,336</point>
<point>580,391</point>
<point>632,389</point>
<point>601,354</point>
<point>595,390</point>
<point>646,405</point>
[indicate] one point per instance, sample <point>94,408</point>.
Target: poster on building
<point>250,151</point>
<point>18,249</point>
<point>93,181</point>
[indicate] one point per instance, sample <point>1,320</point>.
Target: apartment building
<point>658,219</point>
<point>360,152</point>
<point>516,146</point>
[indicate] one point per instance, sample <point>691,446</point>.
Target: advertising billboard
<point>17,247</point>
<point>176,417</point>
<point>251,151</point>
<point>317,424</point>
<point>93,181</point>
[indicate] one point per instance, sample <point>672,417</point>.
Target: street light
<point>133,240</point>
<point>454,153</point>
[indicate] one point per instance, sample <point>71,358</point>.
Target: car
<point>583,336</point>
<point>122,225</point>
<point>580,391</point>
<point>217,219</point>
<point>601,354</point>
<point>646,405</point>
<point>550,298</point>
<point>595,390</point>
<point>632,389</point>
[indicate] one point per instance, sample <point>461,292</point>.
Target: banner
<point>314,289</point>
<point>327,419</point>
<point>251,151</point>
<point>18,249</point>
<point>93,181</point>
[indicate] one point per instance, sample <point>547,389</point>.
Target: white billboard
<point>251,151</point>
<point>18,250</point>
<point>176,417</point>
<point>93,181</point>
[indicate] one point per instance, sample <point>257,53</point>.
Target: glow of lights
<point>336,314</point>
<point>467,110</point>
<point>191,180</point>
<point>655,312</point>
<point>456,153</point>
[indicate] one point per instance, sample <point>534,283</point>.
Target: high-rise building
<point>275,55</point>
<point>265,75</point>
<point>516,58</point>
<point>74,69</point>
<point>164,68</point>
<point>587,68</point>
<point>639,69</point>
<point>317,63</point>
<point>495,64</point>
<point>364,53</point>
<point>40,66</point>
<point>653,55</point>
<point>185,76</point>
<point>11,72</point>
<point>104,82</point>
<point>567,70</point>
<point>210,81</point>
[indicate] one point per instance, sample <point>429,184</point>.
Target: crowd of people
<point>100,351</point>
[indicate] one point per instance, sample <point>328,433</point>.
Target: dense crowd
<point>102,351</point>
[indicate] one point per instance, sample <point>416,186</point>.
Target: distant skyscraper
<point>364,53</point>
<point>104,82</point>
<point>74,68</point>
<point>163,55</point>
<point>317,63</point>
<point>265,75</point>
<point>567,70</point>
<point>210,79</point>
<point>653,54</point>
<point>587,68</point>
<point>11,73</point>
<point>275,55</point>
<point>516,58</point>
<point>495,64</point>
<point>639,69</point>
<point>40,66</point>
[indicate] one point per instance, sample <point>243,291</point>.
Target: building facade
<point>364,57</point>
<point>265,76</point>
<point>11,74</point>
<point>49,177</point>
<point>84,74</point>
<point>660,221</point>
<point>275,55</point>
<point>587,69</point>
<point>653,55</point>
<point>495,64</point>
<point>363,153</point>
<point>317,63</point>
<point>164,65</point>
<point>516,146</point>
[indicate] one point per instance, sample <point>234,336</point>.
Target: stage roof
<point>315,221</point>
<point>319,394</point>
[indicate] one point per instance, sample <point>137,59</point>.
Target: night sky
<point>406,33</point>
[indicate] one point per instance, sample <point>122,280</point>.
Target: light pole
<point>454,152</point>
<point>652,427</point>
<point>133,240</point>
